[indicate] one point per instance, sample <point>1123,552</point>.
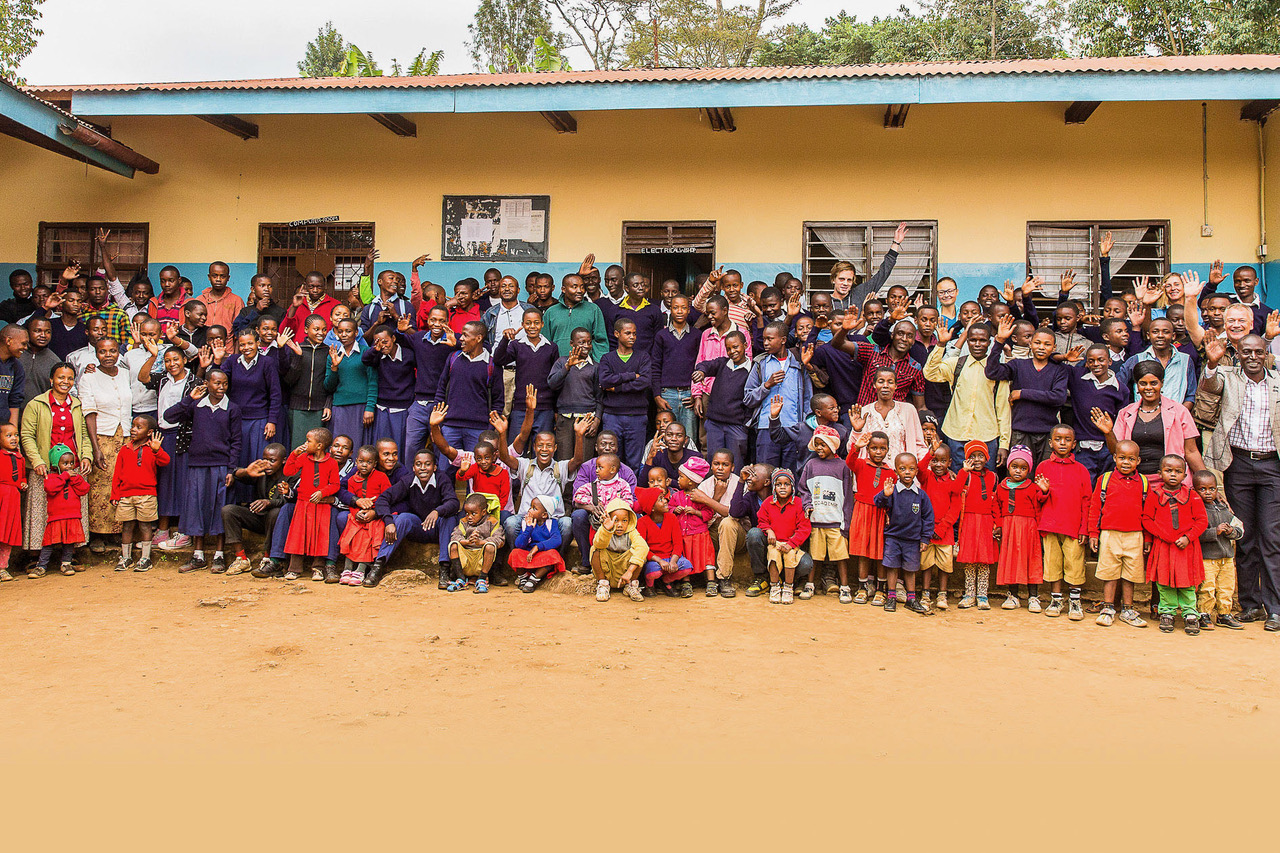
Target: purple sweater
<point>1086,396</point>
<point>472,389</point>
<point>648,321</point>
<point>255,389</point>
<point>215,433</point>
<point>396,378</point>
<point>673,359</point>
<point>429,358</point>
<point>844,375</point>
<point>533,367</point>
<point>1042,392</point>
<point>629,380</point>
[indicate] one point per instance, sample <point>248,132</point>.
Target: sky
<point>163,41</point>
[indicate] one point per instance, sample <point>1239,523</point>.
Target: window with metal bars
<point>61,243</point>
<point>864,244</point>
<point>1141,249</point>
<point>289,252</point>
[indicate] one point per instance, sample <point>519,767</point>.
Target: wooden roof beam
<point>1079,111</point>
<point>234,125</point>
<point>563,122</point>
<point>396,123</point>
<point>1257,110</point>
<point>721,118</point>
<point>895,115</point>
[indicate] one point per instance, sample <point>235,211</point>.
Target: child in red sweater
<point>1115,534</point>
<point>362,536</point>
<point>783,520</point>
<point>975,547</point>
<point>661,531</point>
<point>309,528</point>
<point>940,484</point>
<point>866,527</point>
<point>487,476</point>
<point>13,482</point>
<point>133,491</point>
<point>64,489</point>
<point>1174,517</point>
<point>1064,521</point>
<point>1018,501</point>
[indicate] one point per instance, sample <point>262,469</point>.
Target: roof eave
<point>32,120</point>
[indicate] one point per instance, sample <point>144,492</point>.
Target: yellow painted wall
<point>981,170</point>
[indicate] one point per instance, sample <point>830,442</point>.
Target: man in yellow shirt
<point>979,407</point>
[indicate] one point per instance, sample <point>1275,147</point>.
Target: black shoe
<point>219,565</point>
<point>890,605</point>
<point>1272,623</point>
<point>830,585</point>
<point>669,591</point>
<point>648,591</point>
<point>446,575</point>
<point>497,578</point>
<point>1166,623</point>
<point>1226,620</point>
<point>1191,624</point>
<point>374,574</point>
<point>530,583</point>
<point>193,565</point>
<point>915,605</point>
<point>331,572</point>
<point>1206,622</point>
<point>1253,614</point>
<point>266,569</point>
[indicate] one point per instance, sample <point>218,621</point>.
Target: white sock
<point>217,555</point>
<point>198,555</point>
<point>126,549</point>
<point>146,550</point>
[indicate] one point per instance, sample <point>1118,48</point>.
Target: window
<point>60,243</point>
<point>864,245</point>
<point>1141,248</point>
<point>662,250</point>
<point>288,251</point>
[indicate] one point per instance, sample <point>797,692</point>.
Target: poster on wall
<point>495,228</point>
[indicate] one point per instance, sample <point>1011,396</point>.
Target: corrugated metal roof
<point>1128,65</point>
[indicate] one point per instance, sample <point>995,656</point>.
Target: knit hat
<point>551,503</point>
<point>928,417</point>
<point>975,446</point>
<point>696,468</point>
<point>57,452</point>
<point>782,474</point>
<point>1020,451</point>
<point>646,498</point>
<point>827,435</point>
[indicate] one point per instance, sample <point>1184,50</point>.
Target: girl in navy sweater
<point>216,427</point>
<point>725,407</point>
<point>625,374</point>
<point>254,386</point>
<point>471,387</point>
<point>533,359</point>
<point>397,376</point>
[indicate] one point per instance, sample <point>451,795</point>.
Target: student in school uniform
<point>388,307</point>
<point>723,401</point>
<point>353,386</point>
<point>624,375</point>
<point>309,404</point>
<point>577,395</point>
<point>397,378</point>
<point>420,508</point>
<point>254,386</point>
<point>471,387</point>
<point>432,346</point>
<point>636,307</point>
<point>675,351</point>
<point>533,356</point>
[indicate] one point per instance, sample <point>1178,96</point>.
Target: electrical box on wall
<point>1206,230</point>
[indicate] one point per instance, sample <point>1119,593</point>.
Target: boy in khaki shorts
<point>1115,534</point>
<point>826,489</point>
<point>1218,549</point>
<point>133,491</point>
<point>1063,528</point>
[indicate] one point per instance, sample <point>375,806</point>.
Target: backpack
<point>1102,493</point>
<point>448,374</point>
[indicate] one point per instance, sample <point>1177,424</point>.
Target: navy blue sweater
<point>429,359</point>
<point>13,383</point>
<point>745,504</point>
<point>648,321</point>
<point>472,389</point>
<point>726,404</point>
<point>673,359</point>
<point>626,384</point>
<point>533,367</point>
<point>65,341</point>
<point>405,496</point>
<point>256,389</point>
<point>577,391</point>
<point>215,433</point>
<point>1042,392</point>
<point>844,375</point>
<point>910,514</point>
<point>396,378</point>
<point>1086,396</point>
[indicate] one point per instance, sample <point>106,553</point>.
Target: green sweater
<point>352,383</point>
<point>559,321</point>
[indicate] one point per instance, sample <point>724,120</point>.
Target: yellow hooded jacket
<point>627,540</point>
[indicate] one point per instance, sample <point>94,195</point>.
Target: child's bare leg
<point>596,569</point>
<point>487,556</point>
<point>910,581</point>
<point>789,575</point>
<point>198,541</point>
<point>942,582</point>
<point>928,578</point>
<point>1126,592</point>
<point>864,569</point>
<point>774,576</point>
<point>880,571</point>
<point>891,578</point>
<point>842,572</point>
<point>1109,592</point>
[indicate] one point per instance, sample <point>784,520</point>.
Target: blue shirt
<point>789,388</point>
<point>1179,375</point>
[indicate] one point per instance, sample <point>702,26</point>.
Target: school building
<point>999,167</point>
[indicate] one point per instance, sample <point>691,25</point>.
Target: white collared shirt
<point>396,355</point>
<point>421,486</point>
<point>208,403</point>
<point>535,347</point>
<point>483,356</point>
<point>746,365</point>
<point>914,487</point>
<point>1110,382</point>
<point>248,365</point>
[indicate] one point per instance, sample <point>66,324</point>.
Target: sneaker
<point>941,603</point>
<point>878,599</point>
<point>686,590</point>
<point>290,575</point>
<point>194,564</point>
<point>528,584</point>
<point>482,586</point>
<point>1075,610</point>
<point>1130,617</point>
<point>239,566</point>
<point>317,575</point>
<point>670,590</point>
<point>758,587</point>
<point>602,590</point>
<point>830,585</point>
<point>846,595</point>
<point>36,571</point>
<point>1011,602</point>
<point>634,593</point>
<point>143,565</point>
<point>160,536</point>
<point>861,597</point>
<point>806,592</point>
<point>1166,623</point>
<point>984,603</point>
<point>775,593</point>
<point>67,569</point>
<point>1206,622</point>
<point>5,576</point>
<point>965,603</point>
<point>1054,609</point>
<point>122,564</point>
<point>788,593</point>
<point>1191,624</point>
<point>727,589</point>
<point>1033,604</point>
<point>713,589</point>
<point>357,577</point>
<point>646,591</point>
<point>917,606</point>
<point>219,565</point>
<point>443,581</point>
<point>1228,620</point>
<point>175,543</point>
<point>926,600</point>
<point>345,580</point>
<point>901,591</point>
<point>1106,618</point>
<point>890,604</point>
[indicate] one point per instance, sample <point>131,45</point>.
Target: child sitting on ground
<point>908,531</point>
<point>975,547</point>
<point>689,506</point>
<point>64,489</point>
<point>1018,501</point>
<point>618,551</point>
<point>661,532</point>
<point>309,528</point>
<point>13,482</point>
<point>1218,548</point>
<point>535,554</point>
<point>590,500</point>
<point>782,518</point>
<point>133,490</point>
<point>362,537</point>
<point>1174,517</point>
<point>474,544</point>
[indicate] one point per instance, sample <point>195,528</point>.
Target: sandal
<point>456,585</point>
<point>482,585</point>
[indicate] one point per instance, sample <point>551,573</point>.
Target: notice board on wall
<point>495,228</point>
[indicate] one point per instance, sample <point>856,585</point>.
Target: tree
<point>991,29</point>
<point>700,33</point>
<point>18,35</point>
<point>324,54</point>
<point>423,65</point>
<point>844,40</point>
<point>1244,26</point>
<point>1138,27</point>
<point>598,26</point>
<point>357,63</point>
<point>504,34</point>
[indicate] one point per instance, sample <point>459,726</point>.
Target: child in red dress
<point>1018,501</point>
<point>309,528</point>
<point>13,482</point>
<point>535,554</point>
<point>866,527</point>
<point>688,506</point>
<point>661,532</point>
<point>1174,517</point>
<point>64,490</point>
<point>975,545</point>
<point>362,537</point>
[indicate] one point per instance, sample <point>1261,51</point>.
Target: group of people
<point>648,437</point>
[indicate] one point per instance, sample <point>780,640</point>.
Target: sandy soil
<point>127,667</point>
